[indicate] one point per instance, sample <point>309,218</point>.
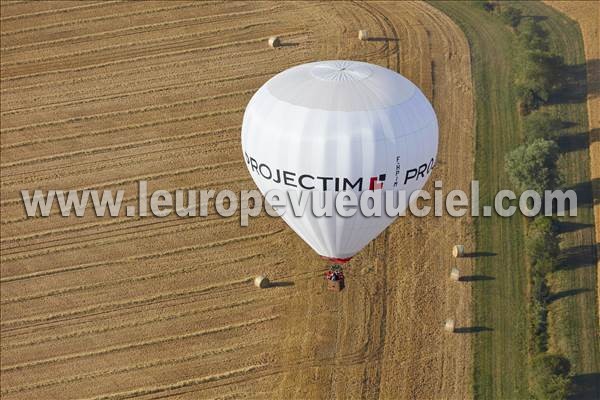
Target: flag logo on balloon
<point>375,184</point>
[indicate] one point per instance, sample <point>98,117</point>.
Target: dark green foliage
<point>538,314</point>
<point>542,246</point>
<point>544,266</point>
<point>511,16</point>
<point>533,166</point>
<point>542,243</point>
<point>539,73</point>
<point>538,78</point>
<point>532,36</point>
<point>540,125</point>
<point>488,6</point>
<point>551,377</point>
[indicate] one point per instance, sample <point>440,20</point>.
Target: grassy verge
<point>500,355</point>
<point>573,327</point>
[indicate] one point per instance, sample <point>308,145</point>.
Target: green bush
<point>538,77</point>
<point>532,35</point>
<point>538,314</point>
<point>542,244</point>
<point>528,99</point>
<point>539,73</point>
<point>488,6</point>
<point>540,125</point>
<point>543,69</point>
<point>511,16</point>
<point>533,166</point>
<point>544,266</point>
<point>540,291</point>
<point>551,377</point>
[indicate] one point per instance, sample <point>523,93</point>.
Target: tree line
<point>533,165</point>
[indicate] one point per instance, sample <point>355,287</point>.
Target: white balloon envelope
<point>339,126</point>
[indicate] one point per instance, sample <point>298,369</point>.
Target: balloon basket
<point>335,278</point>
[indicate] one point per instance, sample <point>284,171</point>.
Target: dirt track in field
<point>587,15</point>
<point>100,95</point>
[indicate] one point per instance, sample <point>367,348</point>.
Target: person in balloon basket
<point>335,280</point>
<point>334,275</point>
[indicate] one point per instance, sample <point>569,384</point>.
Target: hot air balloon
<point>339,126</point>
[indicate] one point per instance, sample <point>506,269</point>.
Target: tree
<point>542,243</point>
<point>545,68</point>
<point>533,166</point>
<point>538,76</point>
<point>511,16</point>
<point>538,314</point>
<point>541,125</point>
<point>551,377</point>
<point>532,36</point>
<point>486,5</point>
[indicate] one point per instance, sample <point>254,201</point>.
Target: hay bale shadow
<point>473,329</point>
<point>481,254</point>
<point>476,278</point>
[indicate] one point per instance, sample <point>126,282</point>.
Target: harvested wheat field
<point>103,94</point>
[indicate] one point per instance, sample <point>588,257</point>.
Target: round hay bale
<point>363,34</point>
<point>458,251</point>
<point>261,282</point>
<point>449,325</point>
<point>455,274</point>
<point>274,41</point>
